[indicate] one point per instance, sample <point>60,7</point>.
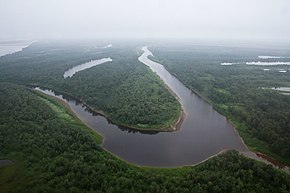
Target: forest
<point>52,151</point>
<point>127,91</point>
<point>241,92</point>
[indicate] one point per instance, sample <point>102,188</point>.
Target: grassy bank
<point>65,114</point>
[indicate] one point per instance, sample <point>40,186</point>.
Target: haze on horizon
<point>221,19</point>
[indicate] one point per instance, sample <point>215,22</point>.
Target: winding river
<point>203,133</point>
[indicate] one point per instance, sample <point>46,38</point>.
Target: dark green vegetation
<point>128,92</point>
<point>262,116</point>
<point>53,151</point>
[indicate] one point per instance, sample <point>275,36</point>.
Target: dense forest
<point>239,91</point>
<point>52,151</point>
<point>127,91</point>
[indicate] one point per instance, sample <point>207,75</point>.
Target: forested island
<point>52,151</point>
<point>125,90</point>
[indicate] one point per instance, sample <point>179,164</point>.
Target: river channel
<point>203,133</point>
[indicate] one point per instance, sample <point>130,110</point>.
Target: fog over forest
<point>209,19</point>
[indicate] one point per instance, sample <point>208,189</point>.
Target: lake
<point>9,47</point>
<point>70,72</point>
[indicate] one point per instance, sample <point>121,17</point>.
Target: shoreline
<point>173,127</point>
<point>259,156</point>
<point>249,154</point>
<point>67,107</point>
<point>182,114</point>
<point>178,123</point>
<point>267,160</point>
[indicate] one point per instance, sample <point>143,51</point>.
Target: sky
<point>222,19</point>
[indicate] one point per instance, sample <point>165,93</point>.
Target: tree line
<point>56,153</point>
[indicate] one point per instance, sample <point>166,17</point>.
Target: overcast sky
<point>237,19</point>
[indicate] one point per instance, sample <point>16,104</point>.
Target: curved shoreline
<point>66,106</point>
<point>173,127</point>
<point>182,114</point>
<point>74,113</point>
<point>249,154</point>
<point>256,155</point>
<point>177,124</point>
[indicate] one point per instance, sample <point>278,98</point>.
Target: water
<point>259,63</point>
<point>203,133</point>
<point>271,57</point>
<point>282,90</point>
<point>75,69</point>
<point>12,47</point>
<point>285,89</point>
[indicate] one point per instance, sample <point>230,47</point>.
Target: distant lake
<point>282,90</point>
<point>9,47</point>
<point>259,63</point>
<point>272,57</point>
<point>203,133</point>
<point>286,89</point>
<point>75,69</point>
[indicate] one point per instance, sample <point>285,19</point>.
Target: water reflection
<point>86,108</point>
<point>203,133</point>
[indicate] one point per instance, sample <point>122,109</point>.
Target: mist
<point>211,19</point>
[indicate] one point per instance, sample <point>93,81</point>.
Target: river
<point>203,133</point>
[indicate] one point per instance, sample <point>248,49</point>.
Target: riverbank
<point>172,124</point>
<point>100,138</point>
<point>260,157</point>
<point>173,127</point>
<point>252,143</point>
<point>63,110</point>
<point>168,150</point>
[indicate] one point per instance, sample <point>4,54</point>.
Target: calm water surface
<point>75,69</point>
<point>9,47</point>
<point>203,133</point>
<point>285,89</point>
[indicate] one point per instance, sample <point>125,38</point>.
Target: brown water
<point>204,132</point>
